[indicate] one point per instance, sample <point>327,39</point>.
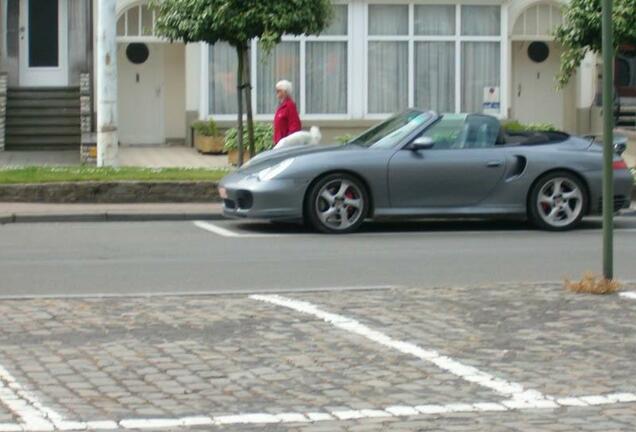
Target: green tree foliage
<point>580,32</point>
<point>238,22</point>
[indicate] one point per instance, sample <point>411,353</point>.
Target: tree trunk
<point>248,100</point>
<point>239,91</point>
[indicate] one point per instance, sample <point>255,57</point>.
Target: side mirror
<point>422,143</point>
<point>620,144</point>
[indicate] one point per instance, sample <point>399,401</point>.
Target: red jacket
<point>286,120</point>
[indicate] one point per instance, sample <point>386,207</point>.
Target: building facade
<point>377,57</point>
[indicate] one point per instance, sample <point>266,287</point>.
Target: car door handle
<point>494,164</point>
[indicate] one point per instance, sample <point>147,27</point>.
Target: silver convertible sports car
<point>424,164</point>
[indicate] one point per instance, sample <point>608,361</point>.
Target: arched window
<point>136,22</point>
<point>537,22</point>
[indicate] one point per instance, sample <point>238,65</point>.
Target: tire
<point>558,201</point>
<point>333,197</point>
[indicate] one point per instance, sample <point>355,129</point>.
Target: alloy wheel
<point>339,204</point>
<point>560,202</point>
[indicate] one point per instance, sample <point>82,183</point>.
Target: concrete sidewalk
<point>37,212</point>
<point>164,156</point>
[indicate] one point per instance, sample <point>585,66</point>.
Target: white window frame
<point>458,38</point>
<point>140,37</point>
<point>357,39</point>
<point>301,94</point>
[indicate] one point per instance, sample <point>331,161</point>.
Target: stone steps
<point>44,130</point>
<point>43,119</point>
<point>627,116</point>
<point>43,93</point>
<point>17,121</point>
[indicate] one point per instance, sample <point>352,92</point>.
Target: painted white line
<point>23,404</point>
<point>224,232</point>
<point>215,229</point>
<point>316,417</point>
<point>629,295</point>
<point>467,373</point>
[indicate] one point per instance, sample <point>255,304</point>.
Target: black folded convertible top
<point>533,138</point>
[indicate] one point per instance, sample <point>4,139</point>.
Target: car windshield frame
<point>391,132</point>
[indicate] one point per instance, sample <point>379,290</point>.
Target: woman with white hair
<point>286,120</point>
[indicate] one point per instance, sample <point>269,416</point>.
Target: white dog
<point>300,138</point>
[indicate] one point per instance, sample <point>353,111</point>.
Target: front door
<point>43,43</point>
<point>141,104</point>
<point>535,96</point>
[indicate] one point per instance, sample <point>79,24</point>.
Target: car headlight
<point>275,170</point>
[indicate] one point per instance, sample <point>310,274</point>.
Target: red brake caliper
<point>349,195</point>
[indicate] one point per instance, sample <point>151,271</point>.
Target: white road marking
<point>24,405</point>
<point>215,229</point>
<point>629,295</point>
<point>239,233</point>
<point>224,232</point>
<point>467,373</point>
<point>315,417</point>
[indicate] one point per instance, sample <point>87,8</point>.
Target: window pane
<point>146,21</point>
<point>435,86</point>
<point>388,76</point>
<point>326,69</point>
<point>431,20</point>
<point>480,71</point>
<point>339,23</point>
<point>223,64</point>
<point>121,25</point>
<point>43,33</point>
<point>388,19</point>
<point>282,63</point>
<point>543,19</point>
<point>133,21</point>
<point>481,20</point>
<point>446,132</point>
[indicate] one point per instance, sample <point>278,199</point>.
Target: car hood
<point>272,157</point>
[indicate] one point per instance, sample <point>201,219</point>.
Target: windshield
<point>388,133</point>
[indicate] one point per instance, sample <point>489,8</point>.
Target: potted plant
<point>207,138</point>
<point>263,140</point>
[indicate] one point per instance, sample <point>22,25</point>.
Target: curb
<point>107,217</point>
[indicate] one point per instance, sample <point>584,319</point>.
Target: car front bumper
<point>247,197</point>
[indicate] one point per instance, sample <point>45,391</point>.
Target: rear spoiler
<point>620,142</point>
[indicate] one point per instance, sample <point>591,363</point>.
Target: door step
<point>43,119</point>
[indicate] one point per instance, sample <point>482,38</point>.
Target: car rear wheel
<point>558,202</point>
<point>337,204</point>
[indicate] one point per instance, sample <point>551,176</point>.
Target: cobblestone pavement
<point>116,359</point>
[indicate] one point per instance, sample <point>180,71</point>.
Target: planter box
<point>208,144</point>
<point>232,156</point>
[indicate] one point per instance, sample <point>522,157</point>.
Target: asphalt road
<point>181,257</point>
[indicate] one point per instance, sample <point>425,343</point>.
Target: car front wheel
<point>558,202</point>
<point>337,204</point>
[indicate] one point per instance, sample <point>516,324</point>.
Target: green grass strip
<point>39,174</point>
